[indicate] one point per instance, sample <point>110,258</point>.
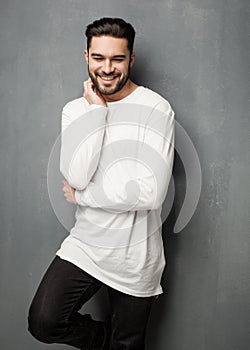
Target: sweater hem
<point>110,283</point>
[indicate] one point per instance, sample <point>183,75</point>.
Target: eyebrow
<point>99,55</point>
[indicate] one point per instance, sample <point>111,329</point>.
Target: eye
<point>98,59</point>
<point>118,59</point>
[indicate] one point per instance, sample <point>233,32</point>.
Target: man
<point>116,241</point>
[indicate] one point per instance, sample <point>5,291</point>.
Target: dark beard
<point>117,88</point>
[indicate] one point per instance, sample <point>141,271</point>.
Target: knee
<point>42,327</point>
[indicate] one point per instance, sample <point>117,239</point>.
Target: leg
<point>129,317</point>
<point>53,314</point>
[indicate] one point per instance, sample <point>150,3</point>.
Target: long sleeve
<point>81,143</point>
<point>141,184</point>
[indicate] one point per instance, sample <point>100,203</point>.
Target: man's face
<point>109,63</point>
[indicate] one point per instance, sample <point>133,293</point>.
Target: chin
<point>107,91</point>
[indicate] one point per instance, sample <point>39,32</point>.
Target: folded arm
<point>81,144</point>
<point>133,186</point>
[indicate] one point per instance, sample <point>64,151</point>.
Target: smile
<point>108,78</point>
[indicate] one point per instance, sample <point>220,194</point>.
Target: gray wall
<point>192,52</point>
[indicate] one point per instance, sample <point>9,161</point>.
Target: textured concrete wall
<point>195,53</point>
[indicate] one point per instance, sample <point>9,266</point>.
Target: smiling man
<point>110,72</point>
<point>116,157</point>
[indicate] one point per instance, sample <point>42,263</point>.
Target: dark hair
<point>115,27</point>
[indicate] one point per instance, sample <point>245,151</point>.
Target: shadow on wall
<point>161,312</point>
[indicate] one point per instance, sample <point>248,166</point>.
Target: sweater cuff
<point>78,197</point>
<point>81,196</point>
<point>95,106</point>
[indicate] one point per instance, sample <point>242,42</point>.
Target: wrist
<point>94,106</point>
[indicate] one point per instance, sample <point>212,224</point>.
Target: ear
<point>132,59</point>
<point>86,54</point>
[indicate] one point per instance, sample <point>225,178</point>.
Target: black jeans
<point>54,318</point>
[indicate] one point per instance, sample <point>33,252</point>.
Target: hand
<point>91,96</point>
<point>69,192</point>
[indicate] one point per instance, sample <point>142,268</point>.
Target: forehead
<point>108,45</point>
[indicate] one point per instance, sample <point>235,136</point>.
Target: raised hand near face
<point>92,94</point>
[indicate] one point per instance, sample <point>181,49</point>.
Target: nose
<point>108,67</point>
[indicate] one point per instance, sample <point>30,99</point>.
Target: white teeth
<point>108,78</point>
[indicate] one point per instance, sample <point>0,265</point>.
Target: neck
<point>125,91</point>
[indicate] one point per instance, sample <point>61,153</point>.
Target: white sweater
<point>119,159</point>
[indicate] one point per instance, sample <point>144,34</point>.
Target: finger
<point>87,90</point>
<point>85,86</point>
<point>87,83</point>
<point>65,182</point>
